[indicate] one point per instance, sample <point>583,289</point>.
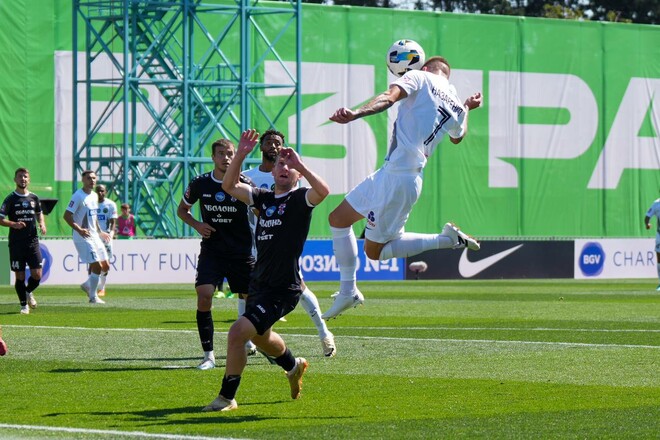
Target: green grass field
<point>424,360</point>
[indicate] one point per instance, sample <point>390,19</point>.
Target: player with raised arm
<point>270,144</point>
<point>275,286</point>
<point>226,247</point>
<point>429,109</point>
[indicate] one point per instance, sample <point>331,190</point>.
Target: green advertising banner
<point>567,143</point>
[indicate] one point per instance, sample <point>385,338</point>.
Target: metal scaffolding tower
<point>155,82</point>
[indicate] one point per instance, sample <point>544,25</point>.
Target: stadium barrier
<point>144,261</point>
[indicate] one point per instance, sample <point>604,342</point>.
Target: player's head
<point>88,180</point>
<point>222,152</point>
<point>101,191</point>
<point>438,65</point>
<point>270,144</point>
<point>285,178</point>
<point>125,208</point>
<point>22,178</point>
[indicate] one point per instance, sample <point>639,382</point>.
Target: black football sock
<point>19,285</point>
<point>32,285</point>
<point>286,361</point>
<point>205,329</point>
<point>230,386</point>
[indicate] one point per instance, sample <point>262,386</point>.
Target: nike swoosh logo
<point>468,268</point>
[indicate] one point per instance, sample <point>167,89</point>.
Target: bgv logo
<point>592,259</point>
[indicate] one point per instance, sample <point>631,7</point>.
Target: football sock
<point>230,386</point>
<point>410,244</point>
<point>241,307</point>
<point>102,278</point>
<point>286,361</point>
<point>19,285</point>
<point>209,356</point>
<point>344,245</point>
<point>32,285</point>
<point>205,329</point>
<point>310,303</point>
<point>93,283</point>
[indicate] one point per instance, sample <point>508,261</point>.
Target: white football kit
<point>386,197</point>
<point>107,211</point>
<point>84,208</point>
<point>654,211</point>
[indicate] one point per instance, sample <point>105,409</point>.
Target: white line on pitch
<point>137,434</point>
<point>151,330</point>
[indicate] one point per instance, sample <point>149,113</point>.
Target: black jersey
<point>281,232</point>
<point>22,208</point>
<point>227,215</point>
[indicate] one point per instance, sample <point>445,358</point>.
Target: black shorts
<point>264,310</point>
<point>23,254</point>
<point>212,267</point>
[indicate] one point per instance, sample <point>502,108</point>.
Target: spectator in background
<point>81,216</point>
<point>654,211</point>
<point>126,222</point>
<point>21,213</point>
<point>107,217</point>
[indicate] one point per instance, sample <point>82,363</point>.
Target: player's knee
<point>372,254</point>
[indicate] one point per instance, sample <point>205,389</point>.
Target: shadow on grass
<point>155,359</point>
<point>120,369</point>
<point>161,416</point>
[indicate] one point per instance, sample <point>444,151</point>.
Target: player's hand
<point>84,233</point>
<point>18,225</point>
<point>105,237</point>
<point>291,158</point>
<point>343,115</point>
<point>249,139</point>
<point>474,101</point>
<point>43,229</point>
<point>205,230</point>
<point>648,226</point>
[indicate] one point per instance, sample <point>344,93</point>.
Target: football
<point>405,55</point>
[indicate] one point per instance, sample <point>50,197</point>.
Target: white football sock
<point>102,278</point>
<point>209,355</point>
<point>93,283</point>
<point>241,307</point>
<point>410,244</point>
<point>310,303</point>
<point>344,245</point>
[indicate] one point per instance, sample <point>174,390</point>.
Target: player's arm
<point>104,235</point>
<point>42,223</point>
<point>112,225</point>
<point>320,188</point>
<point>647,222</point>
<point>183,212</point>
<point>470,104</point>
<point>231,183</point>
<point>68,218</point>
<point>377,104</point>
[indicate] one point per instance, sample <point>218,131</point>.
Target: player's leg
<point>310,303</point>
<point>104,275</point>
<point>657,260</point>
<point>238,281</point>
<point>34,263</point>
<point>241,331</point>
<point>205,325</point>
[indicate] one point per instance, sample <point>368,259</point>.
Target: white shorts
<point>91,250</point>
<point>385,200</point>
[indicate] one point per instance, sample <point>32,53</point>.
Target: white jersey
<point>261,179</point>
<point>654,211</point>
<point>84,208</point>
<point>430,110</point>
<point>107,211</point>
